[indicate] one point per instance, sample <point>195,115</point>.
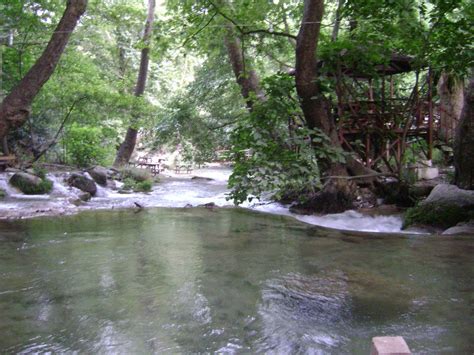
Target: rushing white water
<point>177,190</point>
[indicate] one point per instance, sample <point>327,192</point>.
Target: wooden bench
<point>183,169</point>
<point>6,160</point>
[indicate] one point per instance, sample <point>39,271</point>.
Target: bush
<point>440,216</point>
<point>144,186</point>
<point>85,145</point>
<point>137,186</point>
<point>138,175</point>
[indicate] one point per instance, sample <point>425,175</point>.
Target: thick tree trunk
<point>244,74</point>
<point>15,108</point>
<point>464,142</point>
<point>337,194</point>
<point>128,146</point>
<point>451,97</point>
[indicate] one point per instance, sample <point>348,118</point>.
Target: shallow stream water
<point>174,191</point>
<point>227,280</point>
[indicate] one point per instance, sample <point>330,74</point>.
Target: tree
<point>337,194</point>
<point>15,108</point>
<point>464,142</point>
<point>127,147</point>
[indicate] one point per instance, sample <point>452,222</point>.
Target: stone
<point>461,228</point>
<point>30,184</point>
<point>99,174</point>
<point>210,205</point>
<point>85,196</point>
<point>444,194</point>
<point>201,178</point>
<point>389,346</point>
<point>82,183</point>
<point>422,189</point>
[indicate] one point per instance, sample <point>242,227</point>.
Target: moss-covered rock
<point>31,184</point>
<point>3,194</point>
<point>437,215</point>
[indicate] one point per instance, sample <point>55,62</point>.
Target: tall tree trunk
<point>464,142</point>
<point>15,108</point>
<point>337,194</point>
<point>337,22</point>
<point>244,74</point>
<point>451,97</point>
<point>127,147</point>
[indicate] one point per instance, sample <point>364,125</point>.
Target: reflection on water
<point>229,280</point>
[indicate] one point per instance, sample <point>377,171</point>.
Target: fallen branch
<point>359,176</point>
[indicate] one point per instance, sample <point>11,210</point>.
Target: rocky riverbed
<point>203,187</point>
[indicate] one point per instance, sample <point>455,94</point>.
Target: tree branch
<point>56,136</point>
<point>199,31</point>
<point>268,32</point>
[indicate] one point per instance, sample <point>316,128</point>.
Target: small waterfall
<point>60,188</point>
<point>5,186</point>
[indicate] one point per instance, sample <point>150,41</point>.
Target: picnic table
<point>183,169</point>
<point>148,163</point>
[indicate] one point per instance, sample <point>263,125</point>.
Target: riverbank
<point>203,186</point>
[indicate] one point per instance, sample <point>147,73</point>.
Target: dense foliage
<point>193,102</point>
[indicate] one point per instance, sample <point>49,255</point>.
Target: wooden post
<point>367,150</point>
<point>430,114</point>
<point>392,88</point>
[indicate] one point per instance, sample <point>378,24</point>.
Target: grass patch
<point>440,216</point>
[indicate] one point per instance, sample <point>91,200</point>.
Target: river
<point>227,280</point>
<point>168,278</point>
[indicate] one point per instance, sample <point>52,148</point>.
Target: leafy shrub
<point>40,171</point>
<point>273,151</point>
<point>85,145</point>
<point>137,186</point>
<point>143,186</point>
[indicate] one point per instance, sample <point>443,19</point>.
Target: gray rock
<point>423,188</point>
<point>85,196</point>
<point>82,183</point>
<point>209,205</point>
<point>461,228</point>
<point>99,174</point>
<point>450,195</point>
<point>202,178</point>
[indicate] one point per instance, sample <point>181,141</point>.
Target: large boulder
<point>99,174</point>
<point>444,194</point>
<point>445,207</point>
<point>461,228</point>
<point>30,184</point>
<point>82,183</point>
